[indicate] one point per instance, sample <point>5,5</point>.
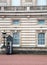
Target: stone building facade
<point>27,24</point>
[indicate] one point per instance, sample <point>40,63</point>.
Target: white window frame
<point>17,45</point>
<point>40,44</point>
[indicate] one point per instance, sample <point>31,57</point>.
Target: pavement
<point>23,59</point>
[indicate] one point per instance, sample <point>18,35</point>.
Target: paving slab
<point>23,59</point>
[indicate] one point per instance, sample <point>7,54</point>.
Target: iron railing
<point>22,8</point>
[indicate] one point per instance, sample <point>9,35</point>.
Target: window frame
<point>43,45</point>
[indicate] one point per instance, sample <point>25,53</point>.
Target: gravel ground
<point>23,59</point>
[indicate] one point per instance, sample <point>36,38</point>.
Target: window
<point>15,2</point>
<point>16,22</point>
<point>16,38</point>
<point>41,22</point>
<point>41,38</point>
<point>41,2</point>
<point>28,0</point>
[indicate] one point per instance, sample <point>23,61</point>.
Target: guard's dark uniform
<point>8,48</point>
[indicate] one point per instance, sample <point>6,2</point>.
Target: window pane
<point>16,41</point>
<point>41,2</point>
<point>41,22</point>
<point>16,22</point>
<point>16,38</point>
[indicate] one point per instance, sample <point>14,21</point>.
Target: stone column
<point>9,2</point>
